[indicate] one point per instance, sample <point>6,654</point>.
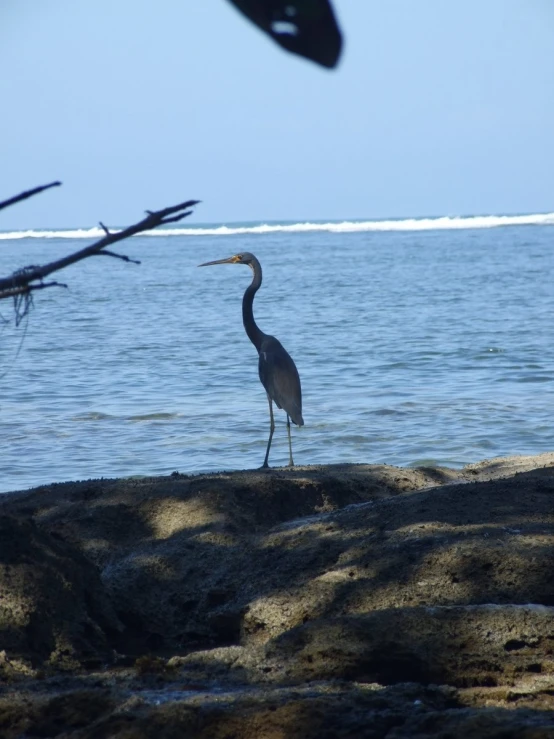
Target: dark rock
<point>344,601</point>
<point>53,607</point>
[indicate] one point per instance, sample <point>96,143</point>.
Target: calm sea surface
<point>413,346</point>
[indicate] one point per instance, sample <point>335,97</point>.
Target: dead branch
<point>27,194</point>
<point>31,278</point>
<point>124,257</point>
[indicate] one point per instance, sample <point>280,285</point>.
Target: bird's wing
<point>280,378</point>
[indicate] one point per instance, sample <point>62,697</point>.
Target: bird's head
<point>244,257</point>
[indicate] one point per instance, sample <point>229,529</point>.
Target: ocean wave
<point>407,224</point>
<point>77,233</point>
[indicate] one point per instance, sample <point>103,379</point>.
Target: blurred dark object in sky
<point>304,27</point>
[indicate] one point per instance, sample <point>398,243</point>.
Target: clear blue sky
<point>438,107</point>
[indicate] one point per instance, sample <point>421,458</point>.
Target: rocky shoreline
<point>329,601</point>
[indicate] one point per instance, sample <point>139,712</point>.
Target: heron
<point>278,373</point>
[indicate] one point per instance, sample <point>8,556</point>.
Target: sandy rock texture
<point>53,607</point>
<point>345,600</point>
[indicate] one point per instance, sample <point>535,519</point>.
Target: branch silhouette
<point>25,280</point>
<point>27,194</point>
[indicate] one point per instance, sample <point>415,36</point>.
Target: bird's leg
<point>271,430</point>
<point>291,460</point>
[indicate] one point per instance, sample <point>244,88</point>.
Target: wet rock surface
<point>346,600</point>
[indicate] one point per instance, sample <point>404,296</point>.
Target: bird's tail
<point>297,419</point>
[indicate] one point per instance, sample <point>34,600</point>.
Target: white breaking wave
<point>78,233</point>
<point>408,224</point>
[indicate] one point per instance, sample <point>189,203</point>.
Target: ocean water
<point>425,341</point>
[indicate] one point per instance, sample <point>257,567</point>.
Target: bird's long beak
<point>229,260</point>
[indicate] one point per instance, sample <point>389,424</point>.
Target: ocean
<point>418,341</point>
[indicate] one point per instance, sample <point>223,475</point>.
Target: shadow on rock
<point>53,607</point>
<point>298,595</point>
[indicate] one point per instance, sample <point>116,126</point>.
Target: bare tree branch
<point>124,257</point>
<point>40,286</point>
<point>20,282</point>
<point>27,194</point>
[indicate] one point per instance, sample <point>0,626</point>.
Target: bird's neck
<point>254,334</point>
